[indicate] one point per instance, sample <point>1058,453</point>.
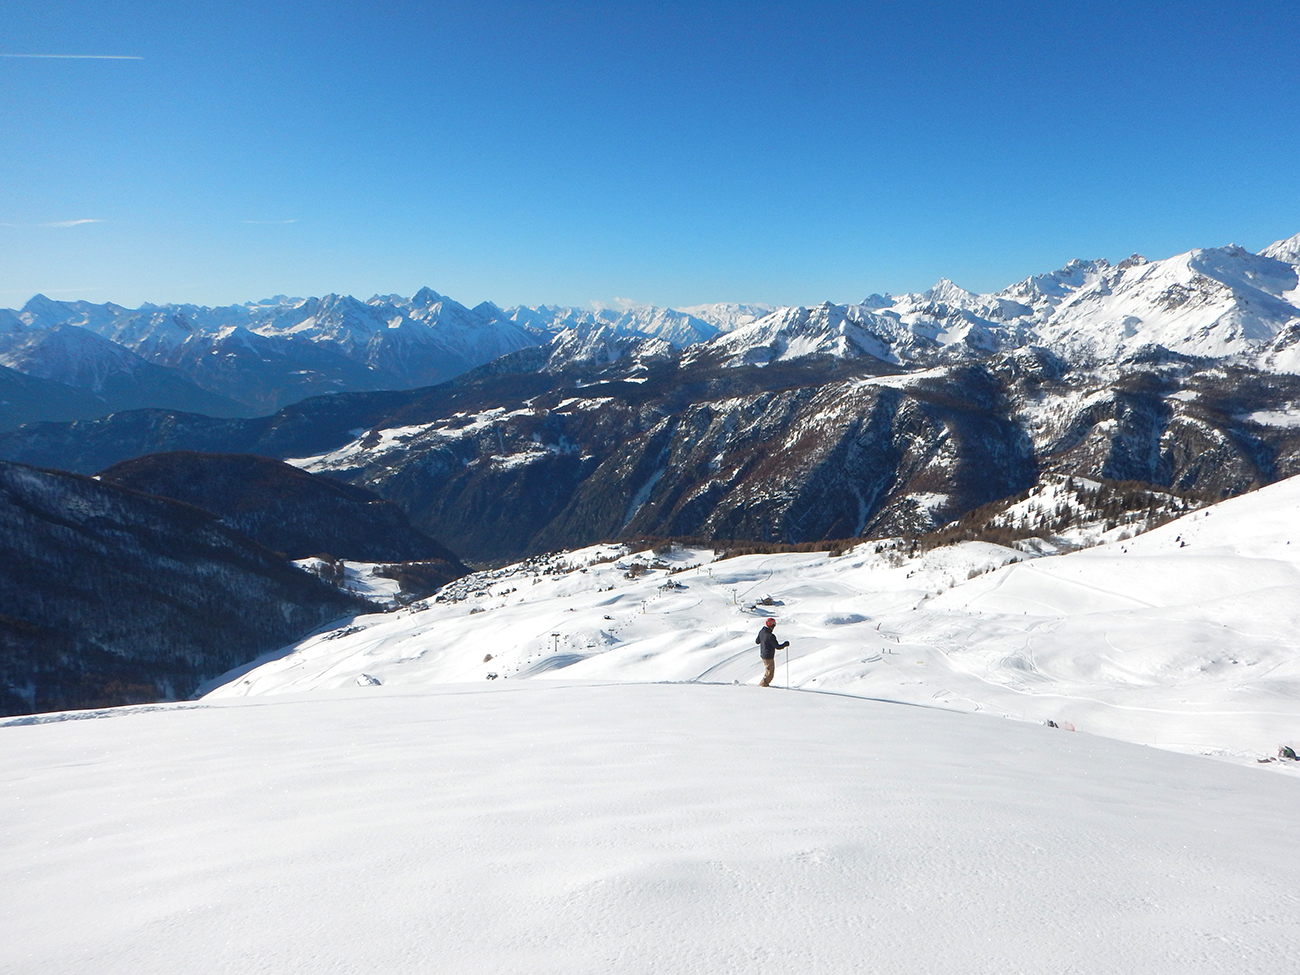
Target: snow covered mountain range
<point>82,374</point>
<point>1223,302</point>
<point>1218,302</point>
<point>891,416</point>
<point>267,354</point>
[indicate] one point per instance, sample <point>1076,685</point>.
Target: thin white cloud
<point>294,220</point>
<point>54,223</point>
<point>79,57</point>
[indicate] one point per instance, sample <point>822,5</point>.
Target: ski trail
<point>94,715</point>
<point>1060,580</point>
<point>730,667</point>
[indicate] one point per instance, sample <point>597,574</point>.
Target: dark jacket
<point>767,645</point>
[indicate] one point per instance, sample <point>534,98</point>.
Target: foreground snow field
<point>1184,637</point>
<point>550,827</point>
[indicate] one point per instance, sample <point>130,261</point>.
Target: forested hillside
<point>284,508</point>
<point>109,596</point>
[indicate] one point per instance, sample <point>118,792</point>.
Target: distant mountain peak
<point>945,290</point>
<point>425,297</point>
<point>1287,250</point>
<point>43,310</point>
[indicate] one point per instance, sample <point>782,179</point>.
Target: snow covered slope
<point>1182,638</point>
<point>685,829</point>
<point>1284,250</point>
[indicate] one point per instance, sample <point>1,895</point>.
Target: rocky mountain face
<point>521,457</point>
<point>286,509</point>
<point>813,448</point>
<point>109,596</point>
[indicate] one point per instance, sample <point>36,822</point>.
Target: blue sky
<point>665,153</point>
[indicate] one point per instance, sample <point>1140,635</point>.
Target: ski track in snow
<point>55,717</point>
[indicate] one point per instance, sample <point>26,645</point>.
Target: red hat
<point>771,622</point>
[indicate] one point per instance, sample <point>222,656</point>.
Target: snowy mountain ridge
<point>70,354</point>
<point>1287,251</point>
<point>1215,302</point>
<point>116,377</point>
<point>1222,303</point>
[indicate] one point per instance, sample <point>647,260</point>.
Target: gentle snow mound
<point>654,828</point>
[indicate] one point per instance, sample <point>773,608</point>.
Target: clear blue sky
<point>666,153</point>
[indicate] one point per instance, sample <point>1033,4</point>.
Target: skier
<point>767,648</point>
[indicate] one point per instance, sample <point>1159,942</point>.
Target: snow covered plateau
<point>554,827</point>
